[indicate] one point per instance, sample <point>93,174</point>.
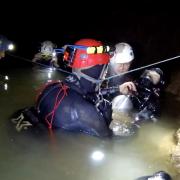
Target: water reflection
<point>39,154</point>
<point>97,156</point>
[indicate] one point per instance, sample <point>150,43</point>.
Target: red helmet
<point>80,55</point>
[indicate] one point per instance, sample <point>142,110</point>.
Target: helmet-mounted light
<point>70,51</point>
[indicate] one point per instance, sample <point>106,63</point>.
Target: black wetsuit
<point>78,110</point>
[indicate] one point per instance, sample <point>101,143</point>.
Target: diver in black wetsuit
<point>82,108</point>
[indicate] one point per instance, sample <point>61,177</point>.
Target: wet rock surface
<point>174,85</point>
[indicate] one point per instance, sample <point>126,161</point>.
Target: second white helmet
<point>123,53</point>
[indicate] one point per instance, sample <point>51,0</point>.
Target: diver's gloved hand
<point>21,123</point>
<point>25,118</point>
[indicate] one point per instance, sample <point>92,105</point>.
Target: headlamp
<point>11,47</point>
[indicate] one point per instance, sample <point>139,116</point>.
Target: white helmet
<point>123,53</point>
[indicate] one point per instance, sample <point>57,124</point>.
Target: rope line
<point>108,78</point>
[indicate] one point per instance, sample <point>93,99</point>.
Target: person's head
<point>47,47</point>
<point>122,58</point>
<point>88,59</point>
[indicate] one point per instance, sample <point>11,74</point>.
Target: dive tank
<point>122,103</point>
<point>122,122</point>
